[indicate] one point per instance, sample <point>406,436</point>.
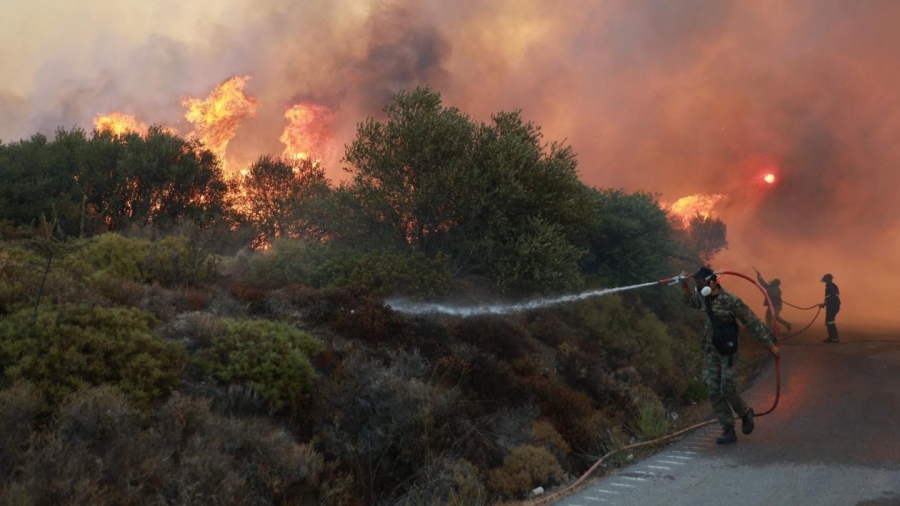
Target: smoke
<point>675,98</point>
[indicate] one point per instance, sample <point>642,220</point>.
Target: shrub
<point>100,451</point>
<point>390,273</point>
<point>525,468</point>
<point>112,255</point>
<point>546,436</point>
<point>72,346</point>
<point>650,417</point>
<point>18,268</point>
<point>24,273</point>
<point>19,408</point>
<point>287,262</point>
<point>446,481</point>
<point>180,261</point>
<point>388,425</point>
<point>97,416</point>
<point>270,357</point>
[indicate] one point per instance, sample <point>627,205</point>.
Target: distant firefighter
<point>832,305</point>
<point>773,289</point>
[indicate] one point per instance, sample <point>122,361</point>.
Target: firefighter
<point>832,305</point>
<point>773,289</point>
<point>720,340</point>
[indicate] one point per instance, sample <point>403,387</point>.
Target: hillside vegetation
<point>170,335</point>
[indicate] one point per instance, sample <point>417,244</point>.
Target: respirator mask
<point>705,291</point>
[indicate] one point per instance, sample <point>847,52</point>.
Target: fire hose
<point>817,307</point>
<point>577,484</point>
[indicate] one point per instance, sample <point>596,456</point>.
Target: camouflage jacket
<point>727,307</point>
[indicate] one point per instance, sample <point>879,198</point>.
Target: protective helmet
<point>705,274</point>
<point>775,282</point>
<point>826,278</point>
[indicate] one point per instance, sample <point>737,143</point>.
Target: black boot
<point>747,422</point>
<point>728,436</point>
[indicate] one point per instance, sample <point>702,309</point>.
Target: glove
<point>821,306</point>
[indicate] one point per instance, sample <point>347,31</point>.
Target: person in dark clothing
<point>719,344</point>
<point>832,305</point>
<point>773,289</point>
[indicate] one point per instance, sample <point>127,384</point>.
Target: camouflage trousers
<point>721,387</point>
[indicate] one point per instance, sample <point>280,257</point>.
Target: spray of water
<point>464,311</point>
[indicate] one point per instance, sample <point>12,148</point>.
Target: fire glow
<point>769,178</point>
<point>119,124</point>
<point>217,118</point>
<point>307,132</point>
<point>701,204</point>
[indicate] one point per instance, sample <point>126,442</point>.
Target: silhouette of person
<point>720,343</point>
<point>773,289</point>
<point>832,305</point>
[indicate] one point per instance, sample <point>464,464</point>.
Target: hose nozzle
<point>673,280</point>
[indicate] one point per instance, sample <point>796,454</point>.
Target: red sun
<point>769,178</point>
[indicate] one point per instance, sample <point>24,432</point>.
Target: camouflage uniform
<point>718,370</point>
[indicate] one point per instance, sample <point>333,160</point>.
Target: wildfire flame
<point>688,207</point>
<point>307,132</point>
<point>119,124</point>
<point>217,118</point>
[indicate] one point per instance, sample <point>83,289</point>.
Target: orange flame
<point>217,118</point>
<point>119,124</point>
<point>307,132</point>
<point>688,207</point>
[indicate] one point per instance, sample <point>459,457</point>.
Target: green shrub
<point>286,262</point>
<point>650,417</point>
<point>71,346</point>
<point>24,274</point>
<point>390,273</point>
<point>628,336</point>
<point>180,261</point>
<point>18,269</point>
<point>270,357</point>
<point>112,255</point>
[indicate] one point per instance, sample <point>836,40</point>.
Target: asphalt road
<point>833,439</point>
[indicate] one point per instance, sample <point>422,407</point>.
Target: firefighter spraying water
<point>720,346</point>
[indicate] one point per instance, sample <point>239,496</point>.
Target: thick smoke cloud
<point>675,98</point>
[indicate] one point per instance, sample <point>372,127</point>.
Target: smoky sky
<point>669,97</point>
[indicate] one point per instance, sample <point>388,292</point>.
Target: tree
<point>630,239</point>
<point>404,170</point>
<point>281,198</point>
<point>430,179</point>
<point>707,236</point>
<point>39,183</point>
<point>164,180</point>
